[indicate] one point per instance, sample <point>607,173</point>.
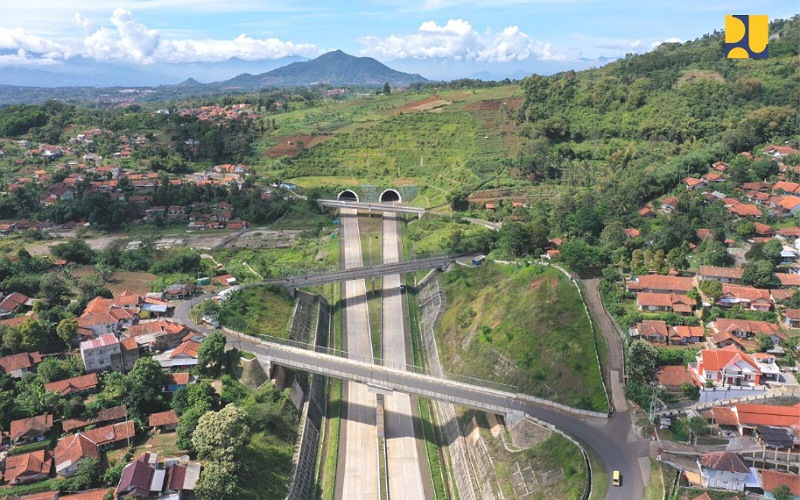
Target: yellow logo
<point>746,36</point>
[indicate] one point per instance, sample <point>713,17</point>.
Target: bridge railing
<point>394,364</point>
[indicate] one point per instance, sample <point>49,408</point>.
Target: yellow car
<point>616,479</point>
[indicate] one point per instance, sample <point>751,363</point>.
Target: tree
<point>221,435</point>
<point>52,369</point>
<point>386,89</point>
<point>187,423</point>
<point>513,240</point>
<point>764,342</point>
<point>698,426</point>
<point>760,273</point>
<point>217,481</point>
<point>583,258</point>
<point>143,387</point>
<point>34,335</point>
<point>75,250</point>
<point>88,476</point>
<point>199,395</point>
<point>211,352</point>
<point>782,492</point>
<point>642,358</point>
<point>745,228</point>
<point>67,329</point>
<point>53,289</point>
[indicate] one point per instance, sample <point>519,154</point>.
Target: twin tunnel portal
<point>387,196</point>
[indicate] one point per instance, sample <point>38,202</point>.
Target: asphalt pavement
<point>403,457</point>
<point>358,476</point>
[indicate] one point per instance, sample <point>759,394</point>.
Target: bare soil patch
<point>290,145</point>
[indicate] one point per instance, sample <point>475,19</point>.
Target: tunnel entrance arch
<point>347,195</point>
<point>389,196</point>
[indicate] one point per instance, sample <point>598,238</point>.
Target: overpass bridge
<point>372,207</point>
<point>395,377</point>
<point>408,266</point>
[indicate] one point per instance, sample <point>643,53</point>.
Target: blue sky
<point>436,38</point>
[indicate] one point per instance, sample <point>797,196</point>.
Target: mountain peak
<point>332,68</point>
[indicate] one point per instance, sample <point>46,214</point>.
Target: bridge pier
<point>291,290</point>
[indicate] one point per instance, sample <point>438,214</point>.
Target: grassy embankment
<point>371,231</point>
<point>521,326</point>
<point>259,311</point>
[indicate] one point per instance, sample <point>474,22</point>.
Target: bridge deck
<point>372,207</point>
<point>365,272</point>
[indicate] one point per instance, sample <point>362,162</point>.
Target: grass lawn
<point>266,468</point>
<point>654,489</point>
<point>165,444</point>
<point>521,326</point>
<point>259,310</point>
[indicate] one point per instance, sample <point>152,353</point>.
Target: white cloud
<point>457,40</point>
<point>129,40</point>
<point>17,39</point>
<point>668,40</point>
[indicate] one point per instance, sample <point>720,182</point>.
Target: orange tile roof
<point>674,376</point>
<point>39,423</point>
<point>98,494</point>
<point>181,378</point>
<point>21,361</point>
<point>70,449</point>
<point>745,210</point>
<point>717,359</point>
<point>771,479</point>
<point>724,461</point>
<point>722,272</point>
<point>35,462</point>
<point>659,282</point>
<point>160,326</point>
<point>724,416</point>
<point>777,416</point>
<point>187,348</point>
<point>112,433</point>
<point>74,384</point>
<point>168,417</point>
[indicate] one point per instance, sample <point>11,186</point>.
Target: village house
<point>683,334</point>
<point>791,318</point>
<point>785,206</point>
<point>71,450</point>
<point>164,421</point>
<point>144,477</point>
<point>182,357</point>
<point>727,366</point>
<point>28,467</point>
<point>179,292</point>
<point>14,303</point>
<point>17,365</point>
<point>731,275</point>
<point>175,381</point>
<point>741,210</point>
<point>771,480</point>
<point>158,335</point>
<point>26,430</point>
<point>655,331</point>
<point>723,470</point>
<point>102,353</point>
<point>674,378</point>
<point>105,416</point>
<point>742,329</point>
<point>83,384</point>
<point>746,297</point>
<point>693,184</point>
<point>656,283</point>
<point>670,302</point>
<point>669,204</point>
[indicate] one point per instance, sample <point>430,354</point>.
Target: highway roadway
<point>358,476</point>
<point>406,479</point>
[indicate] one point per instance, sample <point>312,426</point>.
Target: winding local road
<point>358,448</point>
<point>403,448</point>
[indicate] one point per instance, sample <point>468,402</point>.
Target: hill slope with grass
<point>524,326</point>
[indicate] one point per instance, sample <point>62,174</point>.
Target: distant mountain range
<point>333,68</point>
